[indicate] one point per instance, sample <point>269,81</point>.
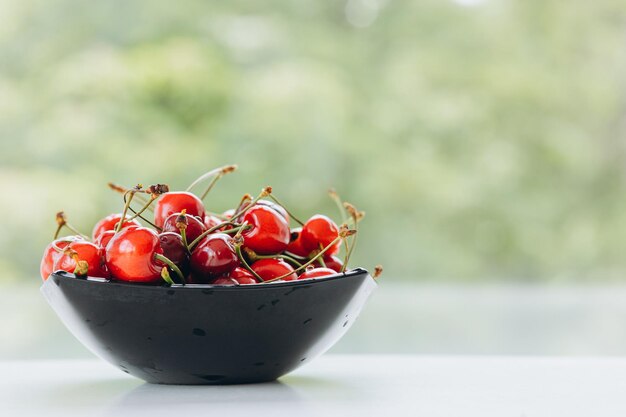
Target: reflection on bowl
<point>204,334</point>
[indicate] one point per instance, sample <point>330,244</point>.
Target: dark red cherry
<point>175,202</point>
<point>274,268</point>
<point>269,233</point>
<point>109,223</point>
<point>295,244</point>
<point>85,251</point>
<point>174,250</point>
<point>239,276</point>
<point>130,255</point>
<point>318,232</point>
<point>213,256</point>
<point>195,227</point>
<point>316,273</point>
<point>50,255</point>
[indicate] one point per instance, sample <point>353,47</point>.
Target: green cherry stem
<point>216,173</point>
<point>211,230</point>
<point>335,197</point>
<point>267,191</point>
<point>255,257</point>
<point>126,206</point>
<point>183,235</point>
<point>287,210</point>
<point>352,245</point>
<point>313,259</point>
<point>166,276</point>
<point>144,208</point>
<point>172,266</point>
<point>245,263</point>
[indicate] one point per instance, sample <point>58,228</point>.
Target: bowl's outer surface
<point>202,334</point>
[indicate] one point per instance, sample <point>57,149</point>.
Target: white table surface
<point>333,385</point>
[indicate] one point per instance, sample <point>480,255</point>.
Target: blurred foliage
<point>485,139</point>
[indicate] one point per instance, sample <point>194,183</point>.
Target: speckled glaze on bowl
<point>205,334</point>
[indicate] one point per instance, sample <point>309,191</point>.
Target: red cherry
<point>174,250</point>
<point>175,202</point>
<point>239,276</point>
<point>276,207</point>
<point>103,238</point>
<point>242,275</point>
<point>332,262</point>
<point>211,221</point>
<point>130,255</point>
<point>50,255</point>
<point>194,226</point>
<point>274,268</point>
<point>109,223</point>
<point>316,273</point>
<point>295,244</point>
<point>213,256</point>
<point>88,252</point>
<point>228,213</point>
<point>269,233</point>
<point>318,231</point>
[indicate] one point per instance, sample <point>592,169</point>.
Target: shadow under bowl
<point>208,334</point>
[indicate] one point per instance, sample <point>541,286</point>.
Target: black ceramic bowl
<point>204,334</point>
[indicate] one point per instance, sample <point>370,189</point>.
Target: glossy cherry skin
<point>213,256</point>
<point>174,250</point>
<point>50,255</point>
<point>176,202</point>
<point>273,268</point>
<point>318,232</point>
<point>270,204</point>
<point>295,244</point>
<point>239,276</point>
<point>109,223</point>
<point>269,233</point>
<point>130,255</point>
<point>103,238</point>
<point>88,252</point>
<point>316,273</point>
<point>194,226</point>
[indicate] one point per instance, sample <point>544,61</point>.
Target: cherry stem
<point>321,261</point>
<point>124,190</point>
<point>56,234</point>
<point>166,276</point>
<point>211,230</point>
<point>352,245</point>
<point>172,266</point>
<point>335,197</point>
<point>143,218</point>
<point>288,212</point>
<point>144,208</point>
<point>254,256</point>
<point>210,186</point>
<point>267,191</point>
<point>245,263</point>
<point>118,227</point>
<point>216,173</point>
<point>183,235</point>
<point>237,229</point>
<point>313,259</point>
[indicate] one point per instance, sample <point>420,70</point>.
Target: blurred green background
<point>484,139</point>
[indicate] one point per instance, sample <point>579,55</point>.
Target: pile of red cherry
<point>252,243</point>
